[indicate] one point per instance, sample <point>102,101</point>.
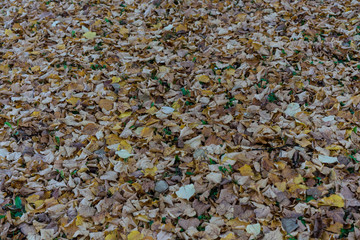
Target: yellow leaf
<point>135,235</point>
<point>115,79</point>
<point>230,72</point>
<point>79,220</point>
<point>111,236</point>
<point>281,186</point>
<point>298,179</point>
<point>157,26</point>
<point>241,17</point>
<point>164,69</point>
<point>276,128</point>
<point>97,22</point>
<point>112,139</point>
<point>125,114</point>
<point>176,105</point>
<point>35,68</point>
<point>303,142</point>
<point>333,200</point>
<point>9,32</point>
<point>335,228</point>
<point>137,186</point>
<point>38,203</point>
<point>181,28</point>
<point>142,218</point>
<point>334,147</point>
<point>256,46</point>
<point>33,198</point>
<point>152,110</point>
<point>146,132</point>
<point>117,126</point>
<point>60,47</point>
<point>35,114</point>
<point>230,236</point>
<point>125,145</point>
<point>124,31</point>
<point>280,165</point>
<point>73,100</point>
<point>203,78</point>
<point>8,54</point>
<point>90,35</point>
<point>150,171</point>
<point>246,170</point>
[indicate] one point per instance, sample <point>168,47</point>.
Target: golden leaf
<point>125,145</point>
<point>335,228</point>
<point>303,142</point>
<point>9,32</point>
<point>146,132</point>
<point>230,72</point>
<point>111,236</point>
<point>60,47</point>
<point>246,170</point>
<point>73,100</point>
<point>333,200</point>
<point>35,68</point>
<point>181,28</point>
<point>115,79</point>
<point>35,114</point>
<point>230,236</point>
<point>150,171</point>
<point>33,198</point>
<point>334,147</point>
<point>298,179</point>
<point>124,31</point>
<point>125,114</point>
<point>135,235</point>
<point>203,78</point>
<point>112,139</point>
<point>79,220</point>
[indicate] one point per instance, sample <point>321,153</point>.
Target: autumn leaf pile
<point>179,119</point>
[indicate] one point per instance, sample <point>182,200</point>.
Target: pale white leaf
<point>253,229</point>
<point>123,153</point>
<point>327,159</point>
<point>186,192</point>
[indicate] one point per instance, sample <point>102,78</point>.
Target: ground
<point>175,119</point>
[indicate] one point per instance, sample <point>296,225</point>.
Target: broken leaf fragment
<point>186,192</point>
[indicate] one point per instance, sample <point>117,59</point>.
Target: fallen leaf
<point>327,159</point>
<point>186,192</point>
<point>203,78</point>
<point>135,235</point>
<point>124,154</point>
<point>89,35</point>
<point>246,171</point>
<point>333,200</point>
<point>253,229</point>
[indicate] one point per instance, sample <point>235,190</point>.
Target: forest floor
<point>179,119</point>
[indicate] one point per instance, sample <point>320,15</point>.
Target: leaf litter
<point>179,119</point>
